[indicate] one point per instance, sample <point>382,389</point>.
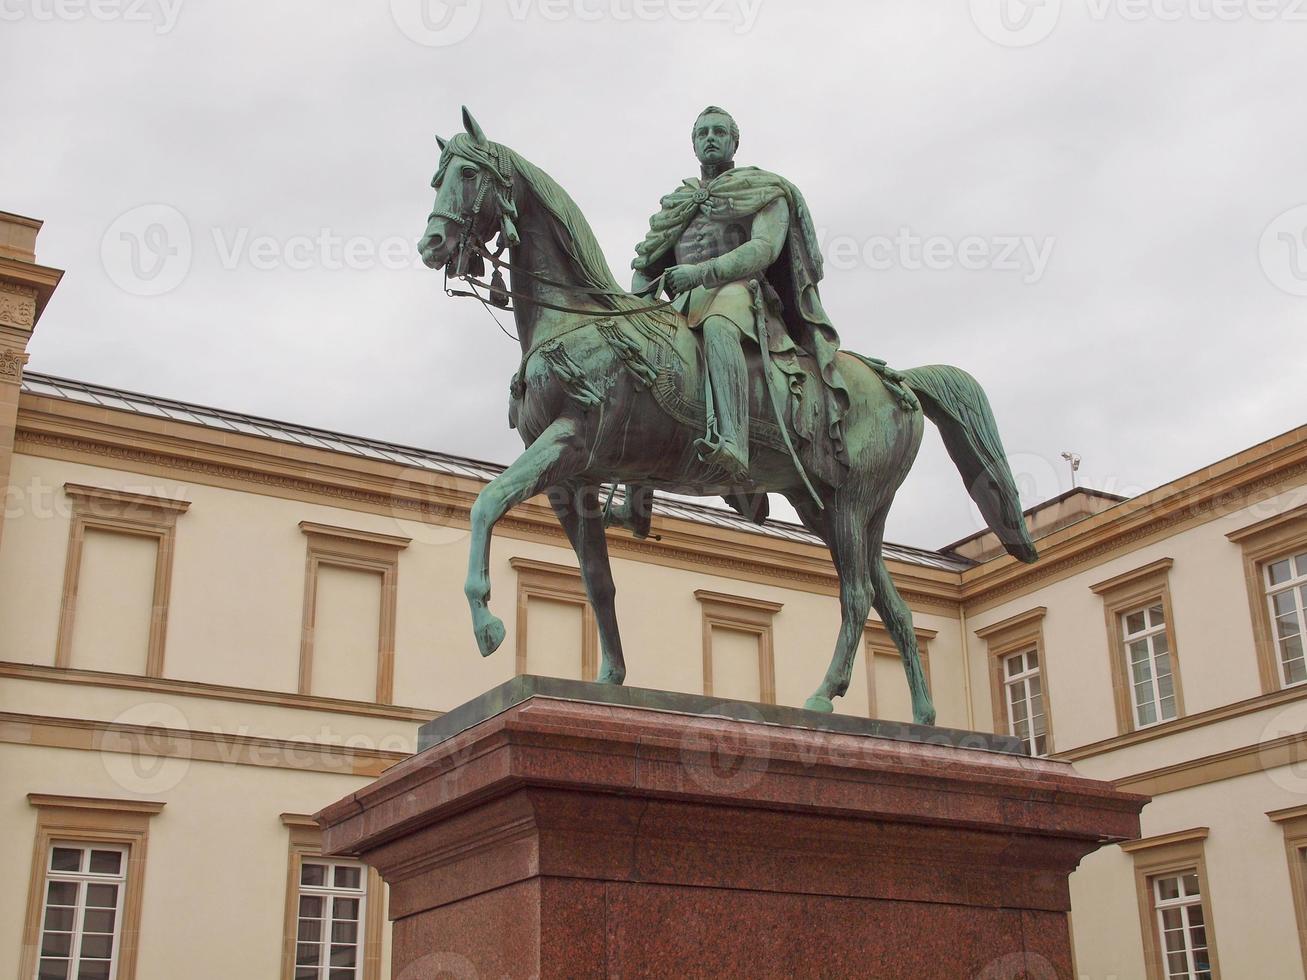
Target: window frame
<point>305,841</point>
<point>366,551</point>
<point>877,642</point>
<point>554,583</point>
<point>120,512</point>
<point>1146,586</point>
<point>84,821</point>
<point>1262,544</point>
<point>1296,586</point>
<point>1160,857</point>
<point>1293,823</point>
<point>79,877</point>
<point>1017,634</point>
<point>1147,636</point>
<point>743,614</point>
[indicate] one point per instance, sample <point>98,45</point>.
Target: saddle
<point>663,354</point>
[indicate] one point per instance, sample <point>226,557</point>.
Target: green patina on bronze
<point>733,385</point>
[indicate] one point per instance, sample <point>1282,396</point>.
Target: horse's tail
<point>956,403</point>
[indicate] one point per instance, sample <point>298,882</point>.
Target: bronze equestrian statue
<point>733,386</point>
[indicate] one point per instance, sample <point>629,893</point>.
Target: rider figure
<point>712,237</point>
<point>716,255</point>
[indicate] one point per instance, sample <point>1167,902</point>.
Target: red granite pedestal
<point>567,839</point>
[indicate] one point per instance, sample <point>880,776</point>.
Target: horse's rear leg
<point>551,459</point>
<point>582,518</point>
<point>848,538</point>
<point>897,617</point>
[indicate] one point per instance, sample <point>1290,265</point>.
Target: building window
<point>888,695</point>
<point>84,889</point>
<point>334,911</point>
<point>117,580</point>
<point>1275,569</point>
<point>1293,823</point>
<point>1175,914</point>
<point>1145,668</point>
<point>738,653</point>
<point>1017,679</point>
<point>1148,660</point>
<point>347,644</point>
<point>1286,594</point>
<point>1024,696</point>
<point>329,935</point>
<point>557,634</point>
<point>84,898</point>
<point>1181,927</point>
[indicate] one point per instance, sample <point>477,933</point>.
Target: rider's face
<point>712,139</point>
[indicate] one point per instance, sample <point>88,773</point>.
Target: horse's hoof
<point>819,703</point>
<point>925,718</point>
<point>612,676</point>
<point>490,636</point>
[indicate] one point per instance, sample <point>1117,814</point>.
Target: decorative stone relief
<point>11,365</point>
<point>17,305</point>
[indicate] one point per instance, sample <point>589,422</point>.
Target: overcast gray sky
<point>1099,209</point>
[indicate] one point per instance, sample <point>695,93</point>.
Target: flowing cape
<point>742,192</point>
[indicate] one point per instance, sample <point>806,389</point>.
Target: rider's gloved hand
<point>682,278</point>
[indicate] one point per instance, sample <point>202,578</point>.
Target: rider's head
<point>716,136</point>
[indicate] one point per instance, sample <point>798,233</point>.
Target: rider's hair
<point>735,129</point>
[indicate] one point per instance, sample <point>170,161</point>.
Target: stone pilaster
<point>25,288</point>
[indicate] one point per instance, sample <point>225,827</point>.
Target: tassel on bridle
<point>498,288</point>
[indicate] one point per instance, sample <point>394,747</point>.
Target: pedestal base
<point>561,838</point>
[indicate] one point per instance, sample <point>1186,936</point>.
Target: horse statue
<point>611,389</point>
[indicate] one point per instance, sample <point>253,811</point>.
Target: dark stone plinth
<point>525,686</point>
<point>563,838</point>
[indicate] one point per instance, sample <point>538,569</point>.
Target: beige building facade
<point>212,625</point>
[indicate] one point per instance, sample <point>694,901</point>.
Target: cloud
<point>1153,154</point>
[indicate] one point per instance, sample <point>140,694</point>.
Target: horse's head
<point>474,199</point>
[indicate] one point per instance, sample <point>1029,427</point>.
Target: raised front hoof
<point>819,703</point>
<point>490,635</point>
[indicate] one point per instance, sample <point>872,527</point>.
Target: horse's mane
<point>575,237</point>
<point>578,239</point>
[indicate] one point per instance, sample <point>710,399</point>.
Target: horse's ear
<point>440,143</point>
<point>474,128</point>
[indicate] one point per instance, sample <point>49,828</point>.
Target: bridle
<point>468,260</point>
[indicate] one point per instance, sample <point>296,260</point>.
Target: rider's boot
<point>729,376</point>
